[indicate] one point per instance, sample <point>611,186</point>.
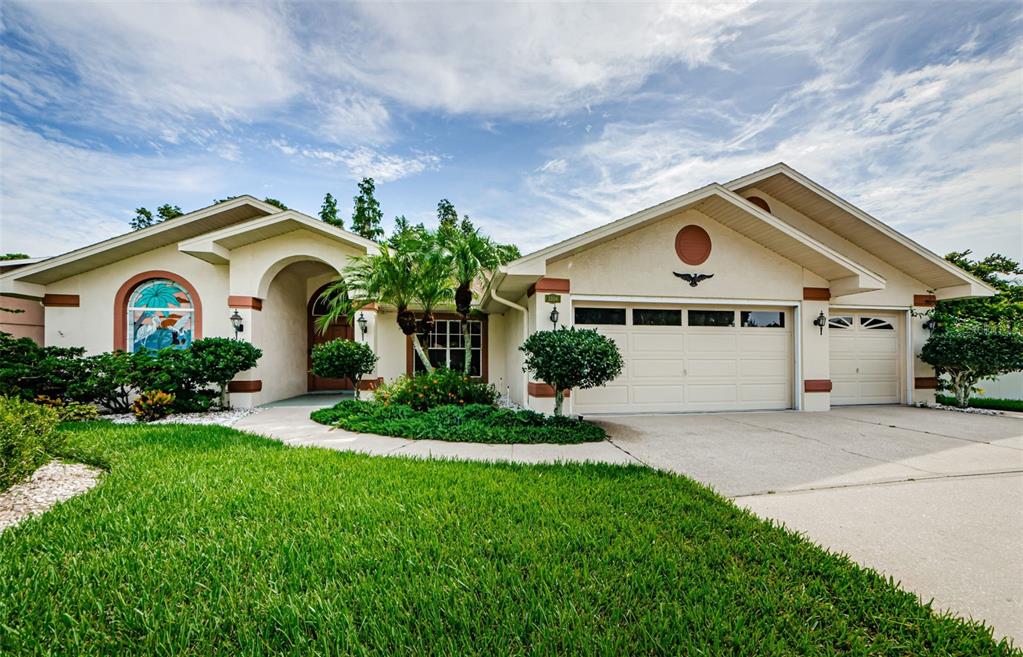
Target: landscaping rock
<point>223,418</point>
<point>51,483</point>
<point>976,411</point>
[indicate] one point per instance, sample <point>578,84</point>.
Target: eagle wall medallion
<point>693,279</point>
<point>692,245</point>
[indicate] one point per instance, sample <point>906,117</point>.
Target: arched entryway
<point>338,329</point>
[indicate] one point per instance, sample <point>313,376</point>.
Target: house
<point>767,292</point>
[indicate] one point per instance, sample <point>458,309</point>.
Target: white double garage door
<point>696,358</point>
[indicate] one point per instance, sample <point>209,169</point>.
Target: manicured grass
<point>476,423</point>
<point>983,402</point>
<point>206,541</point>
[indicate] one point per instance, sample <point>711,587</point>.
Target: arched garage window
<point>160,314</point>
<point>156,309</point>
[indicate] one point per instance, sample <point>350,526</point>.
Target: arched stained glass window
<point>160,314</point>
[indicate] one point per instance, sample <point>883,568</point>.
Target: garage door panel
<point>657,394</point>
<point>879,366</point>
<point>710,343</point>
<point>609,394</point>
<point>764,367</point>
<point>711,367</point>
<point>646,368</point>
<point>697,393</point>
<point>660,343</point>
<point>764,341</point>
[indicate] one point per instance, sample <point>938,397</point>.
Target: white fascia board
<point>970,289</point>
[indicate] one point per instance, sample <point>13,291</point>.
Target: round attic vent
<point>692,244</point>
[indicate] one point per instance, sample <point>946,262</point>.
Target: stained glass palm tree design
<point>160,314</point>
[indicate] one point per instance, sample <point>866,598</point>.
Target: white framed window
<point>842,322</point>
<point>876,323</point>
<point>446,348</point>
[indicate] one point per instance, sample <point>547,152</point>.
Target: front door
<point>338,329</point>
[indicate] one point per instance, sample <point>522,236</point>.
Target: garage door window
<point>711,318</point>
<point>876,323</point>
<point>763,319</point>
<point>656,317</point>
<point>600,316</point>
<point>840,322</point>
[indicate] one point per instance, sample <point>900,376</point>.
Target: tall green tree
<point>367,216</point>
<point>998,271</point>
<point>168,211</point>
<point>328,211</point>
<point>447,217</point>
<point>144,218</point>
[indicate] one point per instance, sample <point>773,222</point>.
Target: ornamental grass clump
<point>27,438</point>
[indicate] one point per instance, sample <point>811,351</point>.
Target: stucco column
<point>546,295</point>
<point>815,386</point>
<point>371,337</point>
<point>923,381</point>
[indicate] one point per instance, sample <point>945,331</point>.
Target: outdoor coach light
<point>554,316</point>
<point>236,322</point>
<point>363,324</point>
<point>930,324</point>
<point>821,322</point>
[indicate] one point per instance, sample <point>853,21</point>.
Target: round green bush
<point>569,358</point>
<point>344,359</point>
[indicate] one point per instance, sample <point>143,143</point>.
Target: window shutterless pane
<point>711,317</point>
<point>656,317</point>
<point>763,318</point>
<point>600,316</point>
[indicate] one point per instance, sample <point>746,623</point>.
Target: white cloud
<point>58,195</point>
<point>557,165</point>
<point>363,161</point>
<point>353,117</point>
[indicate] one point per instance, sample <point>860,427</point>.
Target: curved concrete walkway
<point>289,422</point>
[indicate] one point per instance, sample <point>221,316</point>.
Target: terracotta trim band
<point>255,303</point>
<point>121,304</point>
<point>370,384</point>
<point>550,285</point>
<point>817,385</point>
<point>254,385</point>
<point>61,300</point>
<point>816,294</point>
<point>925,383</point>
<point>925,300</point>
<point>543,390</point>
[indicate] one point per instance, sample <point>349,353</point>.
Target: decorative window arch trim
<point>123,296</point>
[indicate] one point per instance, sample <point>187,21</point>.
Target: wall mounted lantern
<point>930,324</point>
<point>554,316</point>
<point>236,322</point>
<point>821,322</point>
<point>363,325</point>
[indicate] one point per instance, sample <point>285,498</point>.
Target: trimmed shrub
<point>27,438</point>
<point>218,360</point>
<point>175,372</point>
<point>478,423</point>
<point>569,358</point>
<point>109,380</point>
<point>28,370</point>
<point>152,405</point>
<point>438,388</point>
<point>969,351</point>
<point>344,359</point>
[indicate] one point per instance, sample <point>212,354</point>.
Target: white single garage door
<point>864,358</point>
<point>686,358</point>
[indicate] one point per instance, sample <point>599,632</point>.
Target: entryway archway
<point>338,329</point>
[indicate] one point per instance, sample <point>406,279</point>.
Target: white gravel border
<point>51,483</point>
<point>975,411</point>
<point>222,418</point>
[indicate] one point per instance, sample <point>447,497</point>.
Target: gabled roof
<point>731,210</point>
<point>215,247</point>
<point>117,248</point>
<point>846,220</point>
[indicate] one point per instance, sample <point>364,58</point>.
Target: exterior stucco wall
<point>281,331</point>
<point>91,324</point>
<point>254,266</point>
<point>391,346</point>
<point>642,262</point>
<point>25,324</point>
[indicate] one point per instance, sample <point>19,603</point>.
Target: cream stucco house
<point>767,292</point>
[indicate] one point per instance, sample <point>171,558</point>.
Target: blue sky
<point>539,121</point>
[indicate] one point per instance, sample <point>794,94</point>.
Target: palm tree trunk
<point>423,358</point>
<point>467,345</point>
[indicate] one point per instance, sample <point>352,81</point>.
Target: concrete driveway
<point>932,498</point>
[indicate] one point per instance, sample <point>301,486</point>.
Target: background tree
<point>168,211</point>
<point>344,359</point>
<point>143,219</point>
<point>366,216</point>
<point>328,211</point>
<point>13,256</point>
<point>447,216</point>
<point>569,358</point>
<point>999,272</point>
<point>274,202</point>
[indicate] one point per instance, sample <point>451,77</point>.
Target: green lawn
<point>992,403</point>
<point>206,541</point>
